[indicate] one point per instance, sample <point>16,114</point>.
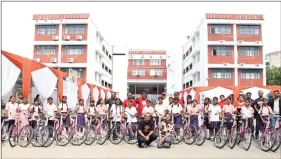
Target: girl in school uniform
<point>102,110</point>
<point>50,109</point>
<point>23,109</point>
<point>228,112</point>
<point>148,109</point>
<point>194,110</point>
<point>117,111</point>
<point>92,109</point>
<point>12,109</point>
<point>264,112</point>
<point>81,110</point>
<point>205,110</point>
<point>35,109</point>
<point>64,111</point>
<point>177,111</point>
<point>248,112</point>
<point>240,103</point>
<point>214,117</point>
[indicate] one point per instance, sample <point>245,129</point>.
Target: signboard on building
<point>59,16</point>
<point>235,16</point>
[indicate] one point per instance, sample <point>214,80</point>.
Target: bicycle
<point>4,128</point>
<point>189,134</point>
<point>115,131</point>
<point>130,131</point>
<point>178,132</point>
<point>63,132</point>
<point>77,132</point>
<point>201,133</point>
<point>223,134</point>
<point>14,131</point>
<point>277,130</point>
<point>245,134</point>
<point>101,130</point>
<point>25,133</point>
<point>40,133</point>
<point>90,130</point>
<point>268,137</point>
<point>51,130</point>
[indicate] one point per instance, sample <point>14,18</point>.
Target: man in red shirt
<point>176,95</point>
<point>141,102</point>
<point>129,97</point>
<point>222,101</point>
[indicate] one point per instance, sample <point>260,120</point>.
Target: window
<point>155,62</point>
<point>250,74</point>
<point>109,71</point>
<point>183,86</point>
<point>106,68</point>
<point>74,50</point>
<point>106,52</point>
<point>190,66</point>
<point>187,84</point>
<point>186,69</point>
<point>249,30</point>
<point>138,72</point>
<point>74,29</point>
<point>110,57</point>
<point>190,83</point>
<point>103,48</point>
<point>102,82</point>
<point>46,50</point>
<point>183,71</point>
<point>138,62</point>
<point>198,77</point>
<point>105,83</point>
<point>220,29</point>
<point>156,72</point>
<point>221,73</point>
<point>183,57</point>
<point>47,29</point>
<point>102,65</point>
<point>221,51</point>
<point>198,57</point>
<point>249,51</point>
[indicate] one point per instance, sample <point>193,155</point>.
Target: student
<point>20,98</point>
<point>23,109</point>
<point>12,108</point>
<point>240,103</point>
<point>116,111</point>
<point>50,109</point>
<point>171,102</point>
<point>160,107</point>
<point>205,110</point>
<point>189,103</point>
<point>194,112</point>
<point>81,110</point>
<point>257,105</point>
<point>102,110</point>
<point>165,131</point>
<point>35,110</point>
<point>214,117</point>
<point>64,111</point>
<point>248,112</point>
<point>131,113</point>
<point>228,112</point>
<point>92,109</point>
<point>177,112</point>
<point>264,112</point>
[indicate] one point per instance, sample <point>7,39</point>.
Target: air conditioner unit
<point>142,56</point>
<point>242,64</point>
<point>54,60</point>
<point>151,56</point>
<point>225,64</point>
<point>78,37</point>
<point>55,38</point>
<point>240,41</point>
<point>37,59</point>
<point>222,41</point>
<point>131,56</point>
<point>70,60</point>
<point>66,37</point>
<point>160,57</point>
<point>257,65</point>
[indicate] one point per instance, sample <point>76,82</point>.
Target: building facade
<point>225,50</point>
<point>147,71</point>
<point>273,59</point>
<point>72,41</point>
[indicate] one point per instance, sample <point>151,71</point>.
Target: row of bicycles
<point>241,133</point>
<point>102,128</point>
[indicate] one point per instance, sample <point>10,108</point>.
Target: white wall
<point>120,67</point>
<point>91,64</point>
<point>174,79</point>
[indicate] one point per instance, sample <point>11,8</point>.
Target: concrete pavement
<point>124,150</point>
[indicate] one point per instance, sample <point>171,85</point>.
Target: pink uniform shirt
<point>147,109</point>
<point>228,108</point>
<point>101,109</point>
<point>265,111</point>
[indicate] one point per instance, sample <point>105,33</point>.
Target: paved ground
<point>124,150</point>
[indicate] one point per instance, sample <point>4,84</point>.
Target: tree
<point>273,75</point>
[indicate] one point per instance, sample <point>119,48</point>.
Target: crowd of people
<point>168,111</point>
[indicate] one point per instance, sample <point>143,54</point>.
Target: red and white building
<point>72,41</point>
<point>225,50</point>
<point>147,71</point>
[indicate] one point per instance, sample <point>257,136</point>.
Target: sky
<point>135,25</point>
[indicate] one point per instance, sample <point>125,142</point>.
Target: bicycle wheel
<point>247,139</point>
<point>39,136</point>
<point>78,135</point>
<point>178,134</point>
<point>277,141</point>
<point>267,139</point>
<point>232,137</point>
<point>238,136</point>
<point>4,131</point>
<point>116,134</point>
<point>102,133</point>
<point>90,135</point>
<point>13,136</point>
<point>131,134</point>
<point>51,137</point>
<point>189,136</point>
<point>221,137</point>
<point>25,135</point>
<point>201,135</point>
<point>63,135</point>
